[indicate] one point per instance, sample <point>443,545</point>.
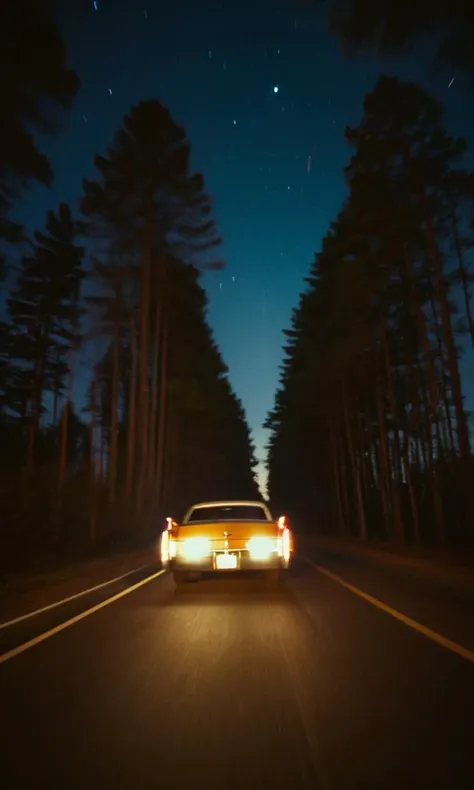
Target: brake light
<point>282,523</point>
<point>167,547</point>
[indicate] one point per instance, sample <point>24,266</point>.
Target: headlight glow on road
<point>195,548</point>
<point>261,548</point>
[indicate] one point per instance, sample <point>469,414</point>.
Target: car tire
<point>180,577</point>
<point>272,577</point>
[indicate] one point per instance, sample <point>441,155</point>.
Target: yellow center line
<point>422,629</point>
<point>62,626</point>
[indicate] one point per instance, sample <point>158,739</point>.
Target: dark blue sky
<point>216,65</point>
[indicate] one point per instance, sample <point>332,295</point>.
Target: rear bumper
<point>243,563</point>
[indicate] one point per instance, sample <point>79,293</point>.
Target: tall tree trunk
<point>132,413</point>
<point>342,461</point>
<point>413,383</point>
<point>442,385</point>
<point>37,397</point>
<point>64,448</point>
<point>431,470</point>
<point>143,401</point>
<point>153,441</point>
<point>434,394</point>
<point>399,532</point>
<point>336,467</point>
<point>362,530</point>
<point>56,390</point>
<point>462,429</point>
<point>114,407</point>
<point>62,469</point>
<point>162,410</point>
<point>170,453</point>
<point>102,453</point>
<point>362,454</point>
<point>384,464</point>
<point>463,276</point>
<point>92,461</point>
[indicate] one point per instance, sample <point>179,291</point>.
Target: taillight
<point>167,547</point>
<point>282,523</point>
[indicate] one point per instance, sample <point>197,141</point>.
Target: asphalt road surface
<point>226,684</point>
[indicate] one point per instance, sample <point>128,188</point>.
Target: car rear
<point>229,537</point>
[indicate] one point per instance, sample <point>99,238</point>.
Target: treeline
<point>369,432</point>
<point>393,28</point>
<point>161,426</point>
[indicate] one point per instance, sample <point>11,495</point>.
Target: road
<point>226,684</point>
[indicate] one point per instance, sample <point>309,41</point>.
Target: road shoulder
<point>446,567</point>
<point>436,599</point>
<point>23,593</point>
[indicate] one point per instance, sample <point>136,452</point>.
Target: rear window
<point>228,513</point>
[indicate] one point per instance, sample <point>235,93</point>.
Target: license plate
<point>226,561</point>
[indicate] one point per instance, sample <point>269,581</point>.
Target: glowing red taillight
<point>282,523</point>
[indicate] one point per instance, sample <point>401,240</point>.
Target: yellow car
<point>227,537</point>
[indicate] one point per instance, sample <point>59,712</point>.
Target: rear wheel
<point>272,577</point>
<point>180,577</point>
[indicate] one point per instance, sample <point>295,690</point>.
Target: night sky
<point>264,94</point>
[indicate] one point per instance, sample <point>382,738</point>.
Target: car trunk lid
<point>228,534</point>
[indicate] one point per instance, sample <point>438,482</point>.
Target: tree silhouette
<point>369,429</point>
<point>35,81</point>
<point>45,313</point>
<point>396,26</point>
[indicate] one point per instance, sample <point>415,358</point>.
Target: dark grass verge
<point>54,580</point>
<point>454,567</point>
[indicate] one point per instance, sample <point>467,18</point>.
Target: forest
<point>116,278</point>
<point>369,431</point>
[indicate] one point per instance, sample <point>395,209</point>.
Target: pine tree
<point>45,313</point>
<point>149,210</point>
<point>390,28</point>
<point>35,81</point>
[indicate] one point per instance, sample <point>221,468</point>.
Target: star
<point>275,89</point>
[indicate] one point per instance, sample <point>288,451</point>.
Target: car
<point>227,537</point>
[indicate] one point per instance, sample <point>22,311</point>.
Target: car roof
<point>229,503</point>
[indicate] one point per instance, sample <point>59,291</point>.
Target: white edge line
<point>439,639</point>
<point>62,626</point>
<point>71,597</point>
